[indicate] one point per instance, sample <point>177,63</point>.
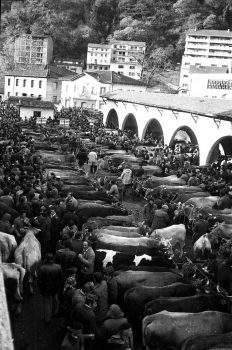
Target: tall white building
<point>123,57</point>
<point>208,48</point>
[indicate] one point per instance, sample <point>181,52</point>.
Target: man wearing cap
<point>161,218</point>
<point>149,212</point>
<point>87,259</point>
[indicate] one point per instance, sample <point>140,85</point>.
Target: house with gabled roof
<point>36,81</point>
<point>86,89</point>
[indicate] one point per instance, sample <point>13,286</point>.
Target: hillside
<point>74,23</point>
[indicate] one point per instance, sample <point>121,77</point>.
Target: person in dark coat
<point>101,291</point>
<point>200,227</point>
<point>149,212</point>
<point>50,283</point>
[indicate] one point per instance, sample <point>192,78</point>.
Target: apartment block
<point>123,57</point>
<point>33,49</point>
<point>212,48</point>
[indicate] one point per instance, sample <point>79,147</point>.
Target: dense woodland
<point>74,23</point>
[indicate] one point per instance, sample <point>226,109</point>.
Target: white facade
<point>210,85</point>
<point>48,89</point>
<point>25,86</point>
<point>83,92</point>
<point>205,48</point>
<point>125,57</point>
<point>98,57</point>
<point>86,91</point>
<point>28,112</point>
<point>208,131</point>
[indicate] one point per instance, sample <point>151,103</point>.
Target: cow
<point>175,234</point>
<point>171,180</point>
<point>129,279</point>
<point>183,197</point>
<point>7,246</point>
<point>222,230</point>
<point>136,246</point>
<point>17,273</point>
<point>136,298</point>
<point>192,303</point>
<point>173,328</point>
<point>126,234</point>
<point>205,342</point>
<point>117,220</point>
<point>203,202</point>
<point>118,259</point>
<point>90,210</point>
<point>202,246</point>
<point>28,255</point>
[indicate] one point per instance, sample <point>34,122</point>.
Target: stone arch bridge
<point>207,122</point>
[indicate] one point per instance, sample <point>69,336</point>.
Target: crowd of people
<point>69,280</point>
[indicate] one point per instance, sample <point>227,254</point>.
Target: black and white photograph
<point>116,175</point>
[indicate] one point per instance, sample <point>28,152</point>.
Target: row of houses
<point>63,88</point>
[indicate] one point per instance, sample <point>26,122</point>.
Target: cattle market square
<point>115,202</point>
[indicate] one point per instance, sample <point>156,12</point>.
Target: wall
<point>126,70</point>
<point>84,89</point>
<point>20,89</point>
<point>27,112</point>
<point>127,87</point>
<point>199,85</point>
<point>6,340</point>
<point>53,89</point>
<point>203,61</point>
<point>204,128</point>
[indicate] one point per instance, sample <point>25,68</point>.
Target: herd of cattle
<point>163,307</point>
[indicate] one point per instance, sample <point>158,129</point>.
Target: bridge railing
<point>6,340</point>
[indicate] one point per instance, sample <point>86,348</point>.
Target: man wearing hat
<point>149,212</point>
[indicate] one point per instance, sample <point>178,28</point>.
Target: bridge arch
<point>130,123</point>
<point>184,133</point>
<point>154,128</point>
<point>112,121</point>
<point>224,145</point>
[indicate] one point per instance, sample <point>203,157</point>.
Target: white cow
<point>111,253</point>
<point>17,273</point>
<point>7,245</point>
<point>28,254</point>
<point>174,234</point>
<point>202,245</point>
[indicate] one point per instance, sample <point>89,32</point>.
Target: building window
<point>40,84</point>
<point>132,67</point>
<point>185,76</point>
<point>102,90</point>
<point>93,92</point>
<point>39,97</point>
<point>95,67</point>
<point>66,88</point>
<point>32,95</point>
<point>120,66</point>
<point>93,105</point>
<point>37,114</point>
<point>56,85</point>
<point>100,68</point>
<point>24,82</point>
<point>83,89</point>
<point>17,82</point>
<point>8,81</point>
<point>32,83</point>
<point>106,68</point>
<point>24,94</point>
<point>16,94</point>
<point>75,88</point>
<point>90,67</point>
<point>187,63</point>
<point>54,99</point>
